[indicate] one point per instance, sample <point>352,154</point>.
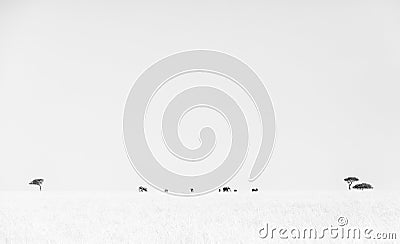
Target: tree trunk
<point>350,185</point>
<point>40,187</point>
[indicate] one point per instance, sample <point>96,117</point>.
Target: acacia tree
<point>350,181</point>
<point>38,182</point>
<point>363,186</point>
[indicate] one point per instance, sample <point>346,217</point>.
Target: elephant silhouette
<point>226,189</point>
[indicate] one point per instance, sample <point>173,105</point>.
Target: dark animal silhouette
<point>362,186</point>
<point>142,189</point>
<point>254,189</point>
<point>226,189</point>
<point>191,190</point>
<point>350,181</point>
<point>38,182</point>
<point>235,190</point>
<point>166,190</point>
<point>219,190</point>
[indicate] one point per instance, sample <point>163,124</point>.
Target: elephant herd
<point>224,189</point>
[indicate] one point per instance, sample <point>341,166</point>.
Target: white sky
<point>332,71</point>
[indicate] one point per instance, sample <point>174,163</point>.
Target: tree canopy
<point>36,182</point>
<point>351,179</point>
<point>363,186</point>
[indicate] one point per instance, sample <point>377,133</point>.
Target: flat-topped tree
<point>350,181</point>
<point>363,186</point>
<point>38,182</point>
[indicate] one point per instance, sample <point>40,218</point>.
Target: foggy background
<point>331,69</point>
